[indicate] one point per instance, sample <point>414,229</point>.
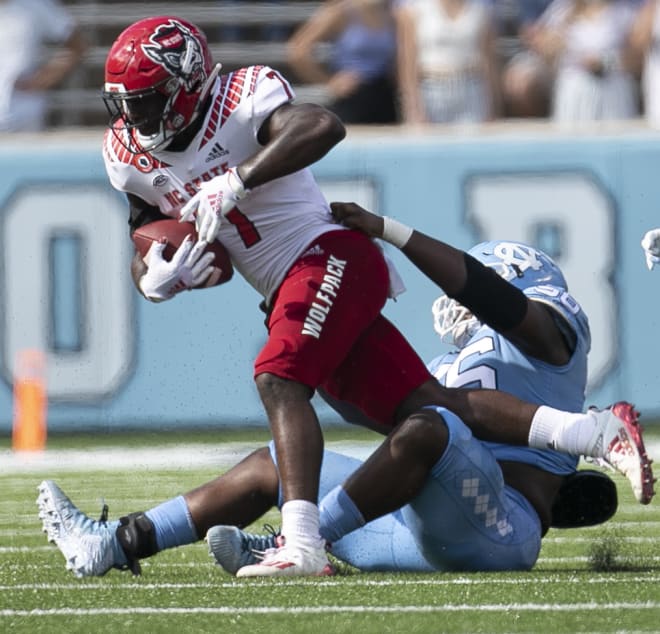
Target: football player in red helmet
<point>232,152</point>
<point>157,79</point>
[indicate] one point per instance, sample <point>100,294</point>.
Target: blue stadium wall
<point>114,360</point>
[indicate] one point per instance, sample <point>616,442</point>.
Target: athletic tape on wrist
<point>396,232</point>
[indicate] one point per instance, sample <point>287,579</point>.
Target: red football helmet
<point>157,75</point>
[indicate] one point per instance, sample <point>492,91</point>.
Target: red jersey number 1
<point>245,227</point>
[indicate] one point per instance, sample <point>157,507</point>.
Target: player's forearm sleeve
<point>490,297</point>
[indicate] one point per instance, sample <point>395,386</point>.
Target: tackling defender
<point>472,505</point>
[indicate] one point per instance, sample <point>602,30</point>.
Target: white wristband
<point>396,232</point>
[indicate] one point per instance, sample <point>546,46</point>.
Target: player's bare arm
<point>529,325</point>
<point>293,137</point>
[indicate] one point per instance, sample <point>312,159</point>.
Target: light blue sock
<point>172,523</point>
<point>339,515</point>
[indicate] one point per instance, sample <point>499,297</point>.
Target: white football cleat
<point>290,561</point>
<point>618,443</point>
<point>90,547</point>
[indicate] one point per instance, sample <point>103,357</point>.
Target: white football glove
<point>213,200</point>
<point>188,268</point>
<point>651,246</point>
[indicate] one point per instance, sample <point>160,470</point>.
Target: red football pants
<point>326,329</point>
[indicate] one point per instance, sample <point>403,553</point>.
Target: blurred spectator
<point>588,41</point>
<point>233,32</point>
<point>526,76</point>
<point>359,73</point>
<point>529,11</point>
<point>448,64</point>
<point>27,69</point>
<point>645,40</point>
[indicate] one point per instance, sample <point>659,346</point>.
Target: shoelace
<point>131,564</point>
<point>260,544</point>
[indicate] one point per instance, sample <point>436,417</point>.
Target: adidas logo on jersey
<point>315,250</point>
<point>216,152</point>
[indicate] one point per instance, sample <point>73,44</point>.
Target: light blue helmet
<point>518,263</point>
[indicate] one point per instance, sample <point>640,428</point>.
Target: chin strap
<point>206,88</point>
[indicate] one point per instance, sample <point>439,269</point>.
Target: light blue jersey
<point>466,517</point>
<point>489,360</point>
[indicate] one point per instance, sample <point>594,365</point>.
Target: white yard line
<point>221,456</point>
<point>342,609</point>
<point>359,581</point>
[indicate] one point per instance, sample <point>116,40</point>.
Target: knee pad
<point>137,537</point>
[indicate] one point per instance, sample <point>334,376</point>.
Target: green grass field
<point>603,579</point>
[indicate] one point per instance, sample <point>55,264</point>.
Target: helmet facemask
<point>143,116</point>
<point>453,322</point>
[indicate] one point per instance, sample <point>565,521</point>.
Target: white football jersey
<point>272,226</point>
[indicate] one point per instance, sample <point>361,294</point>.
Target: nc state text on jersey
<point>175,198</point>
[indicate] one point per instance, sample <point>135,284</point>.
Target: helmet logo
<point>178,51</point>
<point>517,256</point>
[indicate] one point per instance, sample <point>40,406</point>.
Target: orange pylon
<point>29,429</point>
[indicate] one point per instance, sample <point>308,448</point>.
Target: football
<point>174,232</point>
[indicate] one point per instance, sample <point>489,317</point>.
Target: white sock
<point>564,431</point>
<point>300,524</point>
